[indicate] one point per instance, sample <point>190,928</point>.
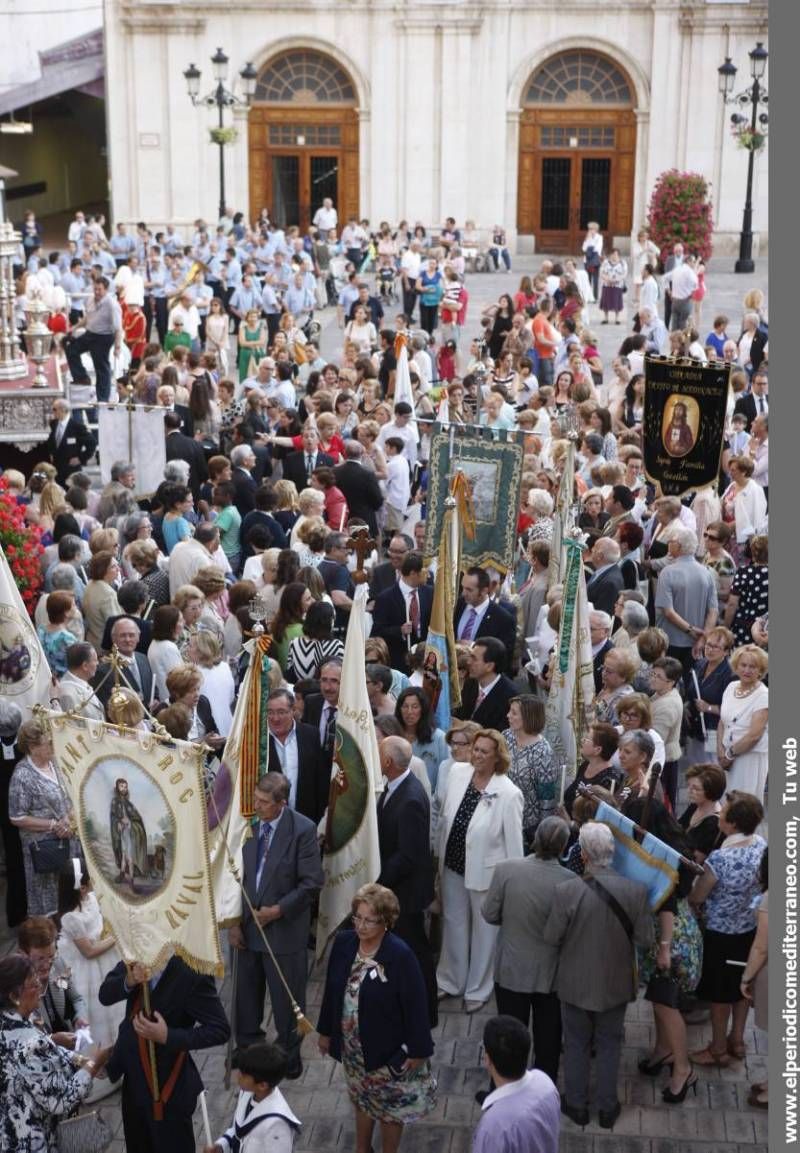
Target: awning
<point>74,64</point>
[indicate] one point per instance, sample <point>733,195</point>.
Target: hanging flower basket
<point>748,140</point>
<point>223,135</point>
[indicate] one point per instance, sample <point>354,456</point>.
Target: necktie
<point>330,729</point>
<point>761,405</point>
<point>60,433</point>
<point>309,464</point>
<point>133,669</point>
<point>413,612</point>
<point>469,626</point>
<point>261,853</point>
<point>481,698</point>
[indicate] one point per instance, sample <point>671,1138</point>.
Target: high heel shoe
<point>670,1098</point>
<point>652,1069</point>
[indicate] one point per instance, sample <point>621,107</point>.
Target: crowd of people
<point>496,879</point>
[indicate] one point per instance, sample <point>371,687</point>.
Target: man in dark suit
<point>359,485</point>
<point>299,466</point>
<point>135,672</point>
<point>756,402</point>
<point>182,447</point>
<point>477,616</point>
<point>606,582</point>
<point>295,750</point>
<point>320,709</point>
<point>187,1014</point>
<point>402,614</point>
<point>386,574</point>
<point>70,443</point>
<point>243,460</point>
<point>404,830</point>
<point>282,874</point>
<point>487,691</point>
<point>600,625</point>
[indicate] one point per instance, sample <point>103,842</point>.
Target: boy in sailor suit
<point>263,1121</point>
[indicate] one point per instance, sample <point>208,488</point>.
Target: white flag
<point>135,434</point>
<point>24,672</point>
<point>402,380</point>
<point>352,857</point>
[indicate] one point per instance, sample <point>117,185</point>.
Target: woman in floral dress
<point>533,768</point>
<point>374,1019</point>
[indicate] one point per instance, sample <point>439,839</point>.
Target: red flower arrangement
<point>21,543</point>
<point>680,209</point>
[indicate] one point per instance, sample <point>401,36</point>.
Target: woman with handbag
<point>38,806</point>
<point>41,1083</point>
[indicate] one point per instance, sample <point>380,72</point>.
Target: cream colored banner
<point>141,814</point>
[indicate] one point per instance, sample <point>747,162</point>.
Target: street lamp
<point>755,137</point>
<point>221,98</point>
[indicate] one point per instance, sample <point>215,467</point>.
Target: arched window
<point>579,77</point>
<point>303,76</point>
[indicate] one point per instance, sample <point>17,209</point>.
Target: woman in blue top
<point>414,714</point>
<point>431,290</point>
<point>729,887</point>
<point>175,527</point>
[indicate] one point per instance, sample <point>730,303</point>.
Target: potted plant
<point>223,135</point>
<point>680,209</point>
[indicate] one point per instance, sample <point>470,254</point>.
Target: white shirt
<point>408,435</point>
<point>397,486</point>
<point>289,759</point>
<point>392,785</point>
<point>411,263</point>
<point>683,281</point>
<point>325,219</point>
<point>61,428</point>
<point>190,317</point>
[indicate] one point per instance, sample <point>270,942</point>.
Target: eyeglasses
<point>365,922</point>
<point>709,536</point>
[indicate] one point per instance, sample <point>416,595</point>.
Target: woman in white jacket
<point>743,504</point>
<point>480,826</point>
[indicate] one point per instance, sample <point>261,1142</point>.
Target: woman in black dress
<point>597,749</point>
<point>749,595</point>
<point>501,315</point>
<point>705,785</point>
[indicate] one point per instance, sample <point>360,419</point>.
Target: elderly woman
<point>100,598</point>
<point>189,601</point>
<point>40,1082</point>
<point>666,524</point>
<point>374,1019</point>
<point>666,709</point>
<point>413,711</point>
<point>651,645</point>
<point>635,713</point>
<point>480,825</point>
<point>742,734</point>
<point>744,505</point>
<point>636,754</point>
<point>212,584</point>
<point>540,508</point>
<point>184,686</point>
<point>711,676</point>
<point>143,556</point>
<point>727,890</point>
<point>705,786</point>
<point>311,503</point>
<point>163,653</point>
<point>716,537</point>
<point>596,767</point>
<point>619,667</point>
<point>217,687</point>
<point>533,768</point>
<point>39,807</point>
<point>749,595</point>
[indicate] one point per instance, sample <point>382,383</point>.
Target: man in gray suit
<point>282,874</point>
<point>519,900</point>
<point>596,921</point>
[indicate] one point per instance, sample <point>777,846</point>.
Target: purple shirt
<point>521,1117</point>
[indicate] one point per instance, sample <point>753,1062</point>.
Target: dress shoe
<point>579,1116</point>
<point>607,1120</point>
<point>473,1006</point>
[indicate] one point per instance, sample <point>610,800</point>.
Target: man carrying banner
<point>282,875</point>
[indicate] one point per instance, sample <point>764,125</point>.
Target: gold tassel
<point>301,1022</point>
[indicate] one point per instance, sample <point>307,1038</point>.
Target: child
<point>228,521</point>
<point>740,438</point>
<point>263,1121</point>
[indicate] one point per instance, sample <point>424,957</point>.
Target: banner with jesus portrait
<point>140,812</point>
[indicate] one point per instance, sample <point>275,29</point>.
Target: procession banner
<point>493,471</point>
<point>135,433</point>
<point>685,406</point>
<point>651,862</point>
<point>561,519</point>
<point>140,813</point>
<point>352,856</point>
<point>572,676</point>
<point>24,672</point>
<point>439,669</point>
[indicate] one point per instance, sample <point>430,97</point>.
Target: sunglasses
<point>710,536</point>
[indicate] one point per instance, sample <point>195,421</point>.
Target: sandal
<point>737,1051</point>
<point>707,1056</point>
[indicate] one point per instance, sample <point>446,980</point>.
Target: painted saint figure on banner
<point>128,836</point>
<point>681,422</point>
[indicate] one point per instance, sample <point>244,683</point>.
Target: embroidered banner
<point>685,405</point>
<point>24,672</point>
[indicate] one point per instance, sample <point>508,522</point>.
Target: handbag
<point>50,855</point>
<point>86,1133</point>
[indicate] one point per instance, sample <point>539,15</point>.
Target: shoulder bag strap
<point>624,920</point>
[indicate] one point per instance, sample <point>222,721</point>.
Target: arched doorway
<point>303,138</point>
<point>577,150</point>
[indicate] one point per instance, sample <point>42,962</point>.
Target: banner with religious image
<point>140,812</point>
<point>685,405</point>
<point>493,471</point>
<point>24,672</point>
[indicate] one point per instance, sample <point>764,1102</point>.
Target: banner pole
<point>232,1043</point>
<point>151,1053</point>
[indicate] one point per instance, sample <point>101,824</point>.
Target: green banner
<point>493,469</point>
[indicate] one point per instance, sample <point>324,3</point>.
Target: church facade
<point>535,115</point>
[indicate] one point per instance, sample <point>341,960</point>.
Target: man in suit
<point>282,875</point>
<point>182,447</point>
<point>476,615</point>
<point>402,614</point>
<point>243,460</point>
<point>295,750</point>
<point>404,836</point>
<point>386,574</point>
<point>596,922</point>
<point>600,625</point>
<point>75,689</point>
<point>755,402</point>
<point>321,709</point>
<point>186,1015</point>
<point>359,486</point>
<point>519,900</point>
<point>70,443</point>
<point>135,672</point>
<point>619,506</point>
<point>606,582</point>
<point>299,466</point>
<point>487,691</point>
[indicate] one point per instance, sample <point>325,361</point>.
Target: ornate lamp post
<point>752,138</point>
<point>221,98</point>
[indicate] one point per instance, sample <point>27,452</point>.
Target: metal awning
<point>74,64</point>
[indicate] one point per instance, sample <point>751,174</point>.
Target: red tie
<point>413,611</point>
